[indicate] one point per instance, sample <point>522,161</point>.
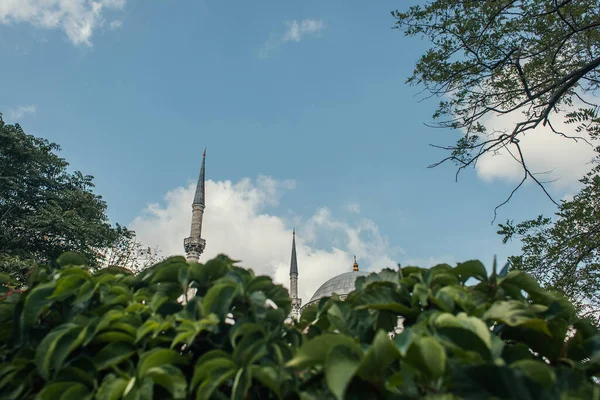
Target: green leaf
<point>404,340</point>
<point>538,371</point>
<point>521,280</point>
<point>470,269</point>
<point>112,388</point>
<point>267,376</point>
<point>315,350</point>
<point>4,279</point>
<point>219,297</point>
<point>37,301</point>
<point>341,364</point>
<point>428,355</point>
<point>420,295</point>
<point>55,348</point>
<point>218,377</point>
<point>59,390</point>
<point>113,354</point>
<point>214,360</point>
<point>537,325</point>
<point>84,293</point>
<point>259,283</point>
<point>249,350</point>
<point>76,391</point>
<point>188,330</point>
<point>113,336</point>
<point>244,329</point>
<point>147,327</point>
<point>70,258</point>
<point>77,374</point>
<point>171,378</point>
<point>443,278</point>
<point>168,271</point>
<point>158,357</point>
<point>378,357</point>
<point>511,312</point>
<point>184,277</point>
<point>470,333</point>
<point>209,272</point>
<point>241,384</point>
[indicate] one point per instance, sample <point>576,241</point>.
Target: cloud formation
<point>16,114</point>
<point>240,221</point>
<point>296,31</point>
<point>556,159</point>
<point>77,18</point>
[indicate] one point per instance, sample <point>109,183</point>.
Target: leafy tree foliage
<point>44,209</point>
<point>565,255</point>
<point>532,59</point>
<point>110,334</point>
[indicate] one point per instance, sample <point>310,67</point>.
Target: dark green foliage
<point>532,59</point>
<point>113,335</point>
<point>44,209</point>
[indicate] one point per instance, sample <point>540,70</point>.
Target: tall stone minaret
<point>194,245</point>
<point>296,301</point>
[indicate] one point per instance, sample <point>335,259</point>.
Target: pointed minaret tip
<point>199,195</point>
<point>355,266</point>
<point>294,261</point>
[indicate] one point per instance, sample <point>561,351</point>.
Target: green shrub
<point>74,334</point>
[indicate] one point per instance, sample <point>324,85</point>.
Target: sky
<point>307,121</point>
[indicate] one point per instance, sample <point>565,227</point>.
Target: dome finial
<point>355,266</point>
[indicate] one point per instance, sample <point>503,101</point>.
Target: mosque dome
<point>340,285</point>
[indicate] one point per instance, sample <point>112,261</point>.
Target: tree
<point>108,334</point>
<point>44,209</point>
<point>533,59</point>
<point>564,255</point>
<point>126,251</point>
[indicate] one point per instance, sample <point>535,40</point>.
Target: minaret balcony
<point>194,244</point>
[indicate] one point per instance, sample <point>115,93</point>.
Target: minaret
<point>194,245</point>
<point>296,302</point>
<point>355,265</point>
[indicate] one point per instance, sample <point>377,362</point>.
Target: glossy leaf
<point>157,358</point>
<point>341,363</point>
<point>470,269</point>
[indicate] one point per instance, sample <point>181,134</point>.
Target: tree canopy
<point>534,59</point>
<point>45,210</point>
<point>564,254</point>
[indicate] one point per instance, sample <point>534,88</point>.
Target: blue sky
<point>311,92</point>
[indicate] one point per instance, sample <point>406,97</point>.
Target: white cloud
<point>239,223</point>
<point>77,18</point>
<point>553,157</point>
<point>16,114</point>
<point>296,31</point>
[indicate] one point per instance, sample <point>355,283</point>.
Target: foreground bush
<point>109,334</point>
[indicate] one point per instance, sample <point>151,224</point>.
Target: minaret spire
<point>194,245</point>
<point>296,302</point>
<point>294,262</point>
<point>355,265</point>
